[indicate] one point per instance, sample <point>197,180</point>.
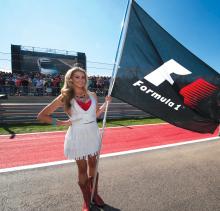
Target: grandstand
<point>36,79</point>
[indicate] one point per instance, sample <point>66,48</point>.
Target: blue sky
<point>93,27</point>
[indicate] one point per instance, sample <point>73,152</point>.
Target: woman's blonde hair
<point>68,92</point>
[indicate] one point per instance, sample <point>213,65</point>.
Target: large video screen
<point>25,60</point>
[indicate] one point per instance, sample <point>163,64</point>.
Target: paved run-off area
<point>173,179</point>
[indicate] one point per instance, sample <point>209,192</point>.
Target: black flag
<point>160,76</point>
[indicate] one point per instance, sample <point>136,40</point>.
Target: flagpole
<point>120,46</point>
<point>115,69</point>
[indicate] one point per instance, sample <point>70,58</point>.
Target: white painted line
<point>35,166</point>
<point>63,131</point>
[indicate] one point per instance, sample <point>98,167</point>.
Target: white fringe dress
<point>82,138</point>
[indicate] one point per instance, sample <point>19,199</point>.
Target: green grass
<point>31,128</point>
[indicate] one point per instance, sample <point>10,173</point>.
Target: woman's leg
<point>92,166</point>
<point>82,171</point>
<point>84,183</point>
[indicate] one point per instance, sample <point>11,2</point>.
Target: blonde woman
<point>82,140</point>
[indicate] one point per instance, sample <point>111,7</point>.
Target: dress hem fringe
<point>84,157</point>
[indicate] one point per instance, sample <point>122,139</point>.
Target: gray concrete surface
<point>173,179</point>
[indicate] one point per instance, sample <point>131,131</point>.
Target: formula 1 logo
<point>157,77</point>
<point>192,93</point>
<point>163,72</point>
<point>196,91</point>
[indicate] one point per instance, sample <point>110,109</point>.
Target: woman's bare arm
<point>44,115</point>
<point>101,109</point>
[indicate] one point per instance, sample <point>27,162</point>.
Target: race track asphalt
<point>182,178</point>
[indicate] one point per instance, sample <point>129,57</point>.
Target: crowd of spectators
<point>37,84</point>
